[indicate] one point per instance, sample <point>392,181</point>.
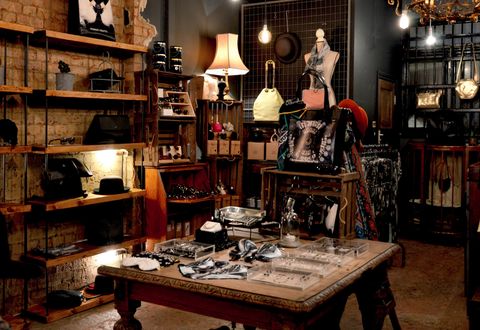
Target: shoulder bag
<point>268,102</point>
<point>466,89</point>
<point>314,98</point>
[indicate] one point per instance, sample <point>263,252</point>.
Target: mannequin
<point>322,60</point>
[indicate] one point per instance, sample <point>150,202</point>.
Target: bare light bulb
<point>430,38</point>
<point>404,21</point>
<point>265,36</point>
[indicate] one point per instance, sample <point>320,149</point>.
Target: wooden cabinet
<point>260,150</point>
<point>168,126</point>
<point>311,192</point>
<point>222,150</point>
<point>433,195</point>
<point>169,217</point>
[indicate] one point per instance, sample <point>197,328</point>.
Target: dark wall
<point>376,50</point>
<point>376,38</point>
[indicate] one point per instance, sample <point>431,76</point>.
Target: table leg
<point>126,308</point>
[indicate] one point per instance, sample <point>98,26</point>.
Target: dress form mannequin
<point>322,60</point>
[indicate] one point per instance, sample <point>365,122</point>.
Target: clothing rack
<point>382,168</point>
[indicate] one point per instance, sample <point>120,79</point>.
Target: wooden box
<point>223,147</point>
<point>235,149</point>
<point>212,147</point>
<point>256,150</point>
<point>271,150</point>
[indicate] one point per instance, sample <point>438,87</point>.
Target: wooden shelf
<point>83,44</point>
<point>88,250</point>
<point>40,312</point>
<point>62,149</point>
<point>182,168</point>
<point>9,89</point>
<point>11,208</point>
<point>52,93</point>
<point>15,150</point>
<point>190,201</point>
<point>14,27</point>
<point>91,199</point>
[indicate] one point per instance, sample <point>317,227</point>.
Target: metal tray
<point>184,248</point>
<point>240,216</point>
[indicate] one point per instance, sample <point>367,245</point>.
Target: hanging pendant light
<point>430,38</point>
<point>265,36</point>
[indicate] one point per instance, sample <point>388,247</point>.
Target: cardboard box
<point>212,147</point>
<point>235,149</point>
<point>223,147</point>
<point>271,150</point>
<point>256,150</point>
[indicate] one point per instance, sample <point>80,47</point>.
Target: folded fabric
<point>142,263</point>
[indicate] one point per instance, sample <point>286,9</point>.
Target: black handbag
<point>308,138</point>
<point>108,129</point>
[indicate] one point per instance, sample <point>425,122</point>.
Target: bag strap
<point>320,79</point>
<point>459,68</point>
<point>266,73</point>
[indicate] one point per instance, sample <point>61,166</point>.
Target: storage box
<point>256,151</point>
<point>223,147</point>
<point>212,147</point>
<point>271,150</point>
<point>235,149</point>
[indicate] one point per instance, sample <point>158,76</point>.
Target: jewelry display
<point>322,268</point>
<point>187,249</point>
<point>342,246</point>
<point>290,278</point>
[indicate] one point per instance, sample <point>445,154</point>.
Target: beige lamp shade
<point>227,58</point>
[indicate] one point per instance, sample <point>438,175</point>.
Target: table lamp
<point>226,62</point>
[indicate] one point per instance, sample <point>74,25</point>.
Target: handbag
<point>466,89</point>
<point>314,98</point>
<point>268,102</point>
<point>429,99</point>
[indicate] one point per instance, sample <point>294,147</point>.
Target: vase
<point>64,81</point>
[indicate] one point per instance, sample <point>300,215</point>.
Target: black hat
<point>287,47</point>
<point>111,185</point>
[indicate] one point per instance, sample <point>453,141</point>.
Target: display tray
<point>284,277</point>
<point>306,252</point>
<point>240,216</point>
<point>322,268</point>
<point>184,248</point>
<point>343,245</point>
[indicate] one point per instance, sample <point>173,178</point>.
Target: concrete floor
<point>429,293</point>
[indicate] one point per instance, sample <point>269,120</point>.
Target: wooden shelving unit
<point>9,89</point>
<point>40,312</point>
<point>83,44</point>
<point>52,93</point>
<point>76,148</point>
<point>87,250</point>
<point>11,208</point>
<point>91,199</point>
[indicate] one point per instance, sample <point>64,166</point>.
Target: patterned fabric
<point>315,62</point>
<point>365,226</point>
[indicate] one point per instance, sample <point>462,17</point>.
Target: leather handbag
<point>268,102</point>
<point>429,99</point>
<point>314,98</point>
<point>466,89</point>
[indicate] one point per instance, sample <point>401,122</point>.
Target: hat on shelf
<point>111,185</point>
<point>359,114</point>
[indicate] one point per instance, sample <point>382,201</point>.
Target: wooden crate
<point>276,184</point>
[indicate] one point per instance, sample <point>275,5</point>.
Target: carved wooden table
<point>261,305</point>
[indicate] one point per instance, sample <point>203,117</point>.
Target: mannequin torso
<point>325,67</point>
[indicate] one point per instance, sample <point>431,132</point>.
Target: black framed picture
<point>91,18</point>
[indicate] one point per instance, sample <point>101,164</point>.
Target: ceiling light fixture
<point>430,38</point>
<point>449,11</point>
<point>265,36</point>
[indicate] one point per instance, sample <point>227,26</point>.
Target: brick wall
<point>53,15</point>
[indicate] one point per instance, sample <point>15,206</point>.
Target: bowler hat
<point>287,47</point>
<point>111,185</point>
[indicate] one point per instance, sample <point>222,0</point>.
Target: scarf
<point>315,62</point>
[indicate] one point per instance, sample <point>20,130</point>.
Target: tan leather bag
<point>466,89</point>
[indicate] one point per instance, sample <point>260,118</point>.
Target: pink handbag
<point>314,99</point>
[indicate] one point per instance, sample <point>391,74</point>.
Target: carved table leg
<point>126,308</point>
